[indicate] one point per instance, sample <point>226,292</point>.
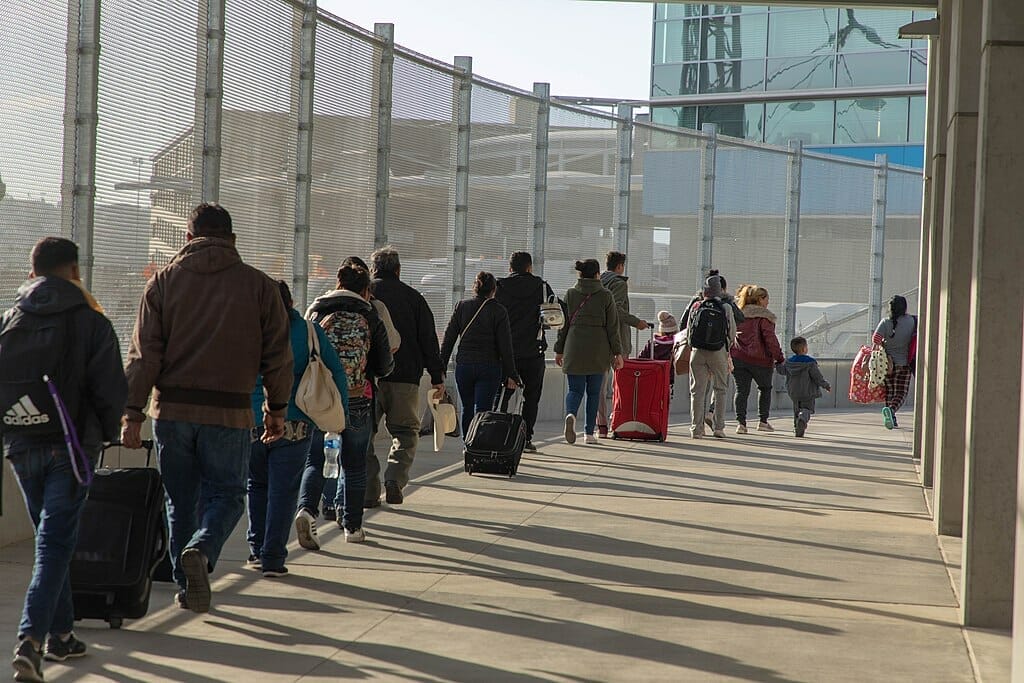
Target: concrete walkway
<point>757,558</point>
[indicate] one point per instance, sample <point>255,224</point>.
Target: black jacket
<point>737,314</point>
<point>96,370</point>
<point>415,322</point>
<point>379,363</point>
<point>486,340</point>
<point>522,294</point>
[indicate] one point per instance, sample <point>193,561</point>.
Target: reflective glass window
<point>919,66</point>
<point>683,117</point>
<point>736,120</point>
<point>873,68</point>
<point>674,79</point>
<point>872,120</point>
<point>809,121</point>
<point>673,10</point>
<point>870,30</point>
<point>733,76</point>
<point>918,118</point>
<point>801,73</point>
<point>676,41</point>
<point>801,32</point>
<point>735,36</point>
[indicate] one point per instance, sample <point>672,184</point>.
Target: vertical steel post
<point>793,181</point>
<point>304,155</point>
<point>623,176</point>
<point>209,101</point>
<point>78,185</point>
<point>540,174</point>
<point>878,239</point>
<point>385,93</point>
<point>708,155</point>
<point>464,95</point>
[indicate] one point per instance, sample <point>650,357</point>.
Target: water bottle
<point>332,446</point>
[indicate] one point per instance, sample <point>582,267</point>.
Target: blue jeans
<point>478,383</point>
<point>54,500</point>
<point>349,496</point>
<point>578,386</point>
<point>204,469</point>
<point>275,471</point>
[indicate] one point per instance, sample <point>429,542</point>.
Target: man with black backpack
<point>62,392</point>
<point>711,332</point>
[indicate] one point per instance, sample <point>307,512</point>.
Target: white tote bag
<point>317,395</point>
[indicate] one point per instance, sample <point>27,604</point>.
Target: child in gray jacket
<point>803,383</point>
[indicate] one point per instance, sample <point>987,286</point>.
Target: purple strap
<point>75,452</point>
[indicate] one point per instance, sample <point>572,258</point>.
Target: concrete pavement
<point>757,558</point>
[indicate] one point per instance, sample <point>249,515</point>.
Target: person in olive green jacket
<point>588,344</point>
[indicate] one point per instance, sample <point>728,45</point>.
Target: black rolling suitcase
<point>495,439</point>
<point>121,540</point>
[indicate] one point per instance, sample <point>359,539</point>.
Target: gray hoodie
<point>803,378</point>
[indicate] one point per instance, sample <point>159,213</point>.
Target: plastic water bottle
<point>332,447</point>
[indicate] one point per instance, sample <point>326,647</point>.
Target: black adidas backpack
<point>31,347</point>
<point>709,328</point>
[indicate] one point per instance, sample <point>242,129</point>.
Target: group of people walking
<point>219,353</point>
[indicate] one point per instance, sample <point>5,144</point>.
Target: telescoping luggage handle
<point>499,400</point>
<point>146,443</point>
<point>652,327</point>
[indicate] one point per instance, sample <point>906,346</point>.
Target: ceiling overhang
<point>878,4</point>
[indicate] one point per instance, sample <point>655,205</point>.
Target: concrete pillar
<point>304,153</point>
<point>385,89</point>
<point>464,102</point>
<point>794,179</point>
<point>930,328</point>
<point>964,30</point>
<point>997,326</point>
<point>881,194</point>
<point>540,174</point>
<point>209,101</point>
<point>623,176</point>
<point>708,156</point>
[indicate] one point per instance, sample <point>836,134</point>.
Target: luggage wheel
<point>115,622</point>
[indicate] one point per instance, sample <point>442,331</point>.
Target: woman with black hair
<point>897,334</point>
<point>485,361</point>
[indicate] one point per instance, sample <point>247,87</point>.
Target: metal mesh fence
<point>156,151</point>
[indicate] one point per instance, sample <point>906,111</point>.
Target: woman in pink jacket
<point>754,355</point>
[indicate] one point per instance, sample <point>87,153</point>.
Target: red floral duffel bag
<point>860,390</point>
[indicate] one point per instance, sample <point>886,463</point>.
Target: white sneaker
<point>570,428</point>
<point>696,435</point>
<point>765,427</point>
<point>305,529</point>
<point>357,536</point>
<point>741,429</point>
<point>590,440</point>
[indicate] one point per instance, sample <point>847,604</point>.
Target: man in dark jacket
<point>208,326</point>
<point>522,293</point>
<point>53,310</point>
<point>614,279</point>
<point>399,393</point>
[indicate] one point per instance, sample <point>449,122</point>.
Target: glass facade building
<point>732,65</point>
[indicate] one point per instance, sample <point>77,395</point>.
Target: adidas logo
<point>25,414</point>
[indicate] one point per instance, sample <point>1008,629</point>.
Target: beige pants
<point>708,369</point>
<point>400,404</point>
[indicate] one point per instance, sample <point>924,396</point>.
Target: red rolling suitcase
<point>640,402</point>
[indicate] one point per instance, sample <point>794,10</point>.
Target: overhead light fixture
<point>925,28</point>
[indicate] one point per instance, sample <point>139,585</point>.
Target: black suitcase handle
<point>499,400</point>
<point>146,444</point>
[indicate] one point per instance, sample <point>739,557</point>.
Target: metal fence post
<point>304,155</point>
<point>209,101</point>
<point>623,176</point>
<point>78,185</point>
<point>708,153</point>
<point>793,181</point>
<point>385,91</point>
<point>878,239</point>
<point>464,90</point>
<point>540,175</point>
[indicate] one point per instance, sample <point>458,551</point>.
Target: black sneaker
<point>254,562</point>
<point>275,573</point>
<point>58,650</point>
<point>801,427</point>
<point>197,579</point>
<point>529,447</point>
<point>393,493</point>
<point>27,662</point>
<point>330,514</point>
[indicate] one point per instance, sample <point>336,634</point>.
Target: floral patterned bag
<point>860,390</point>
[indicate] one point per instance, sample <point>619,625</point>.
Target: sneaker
<point>275,573</point>
<point>719,433</point>
<point>801,427</point>
<point>305,530</point>
<point>765,427</point>
<point>355,535</point>
<point>179,600</point>
<point>887,418</point>
<point>197,579</point>
<point>696,435</point>
<point>570,428</point>
<point>602,431</point>
<point>27,662</point>
<point>529,447</point>
<point>254,562</point>
<point>393,493</point>
<point>741,429</point>
<point>590,440</point>
<point>371,503</point>
<point>709,420</point>
<point>330,514</point>
<point>58,650</point>
<point>895,424</point>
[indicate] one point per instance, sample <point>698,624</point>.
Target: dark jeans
<point>204,468</point>
<point>54,500</point>
<point>590,386</point>
<point>745,373</point>
<point>531,372</point>
<point>478,384</point>
<point>275,471</point>
<point>349,496</point>
<point>803,408</point>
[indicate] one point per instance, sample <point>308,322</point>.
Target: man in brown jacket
<point>208,325</point>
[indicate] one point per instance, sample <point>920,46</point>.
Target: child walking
<point>663,342</point>
<point>803,383</point>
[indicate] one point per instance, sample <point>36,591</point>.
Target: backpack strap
<point>473,319</point>
<point>575,313</point>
